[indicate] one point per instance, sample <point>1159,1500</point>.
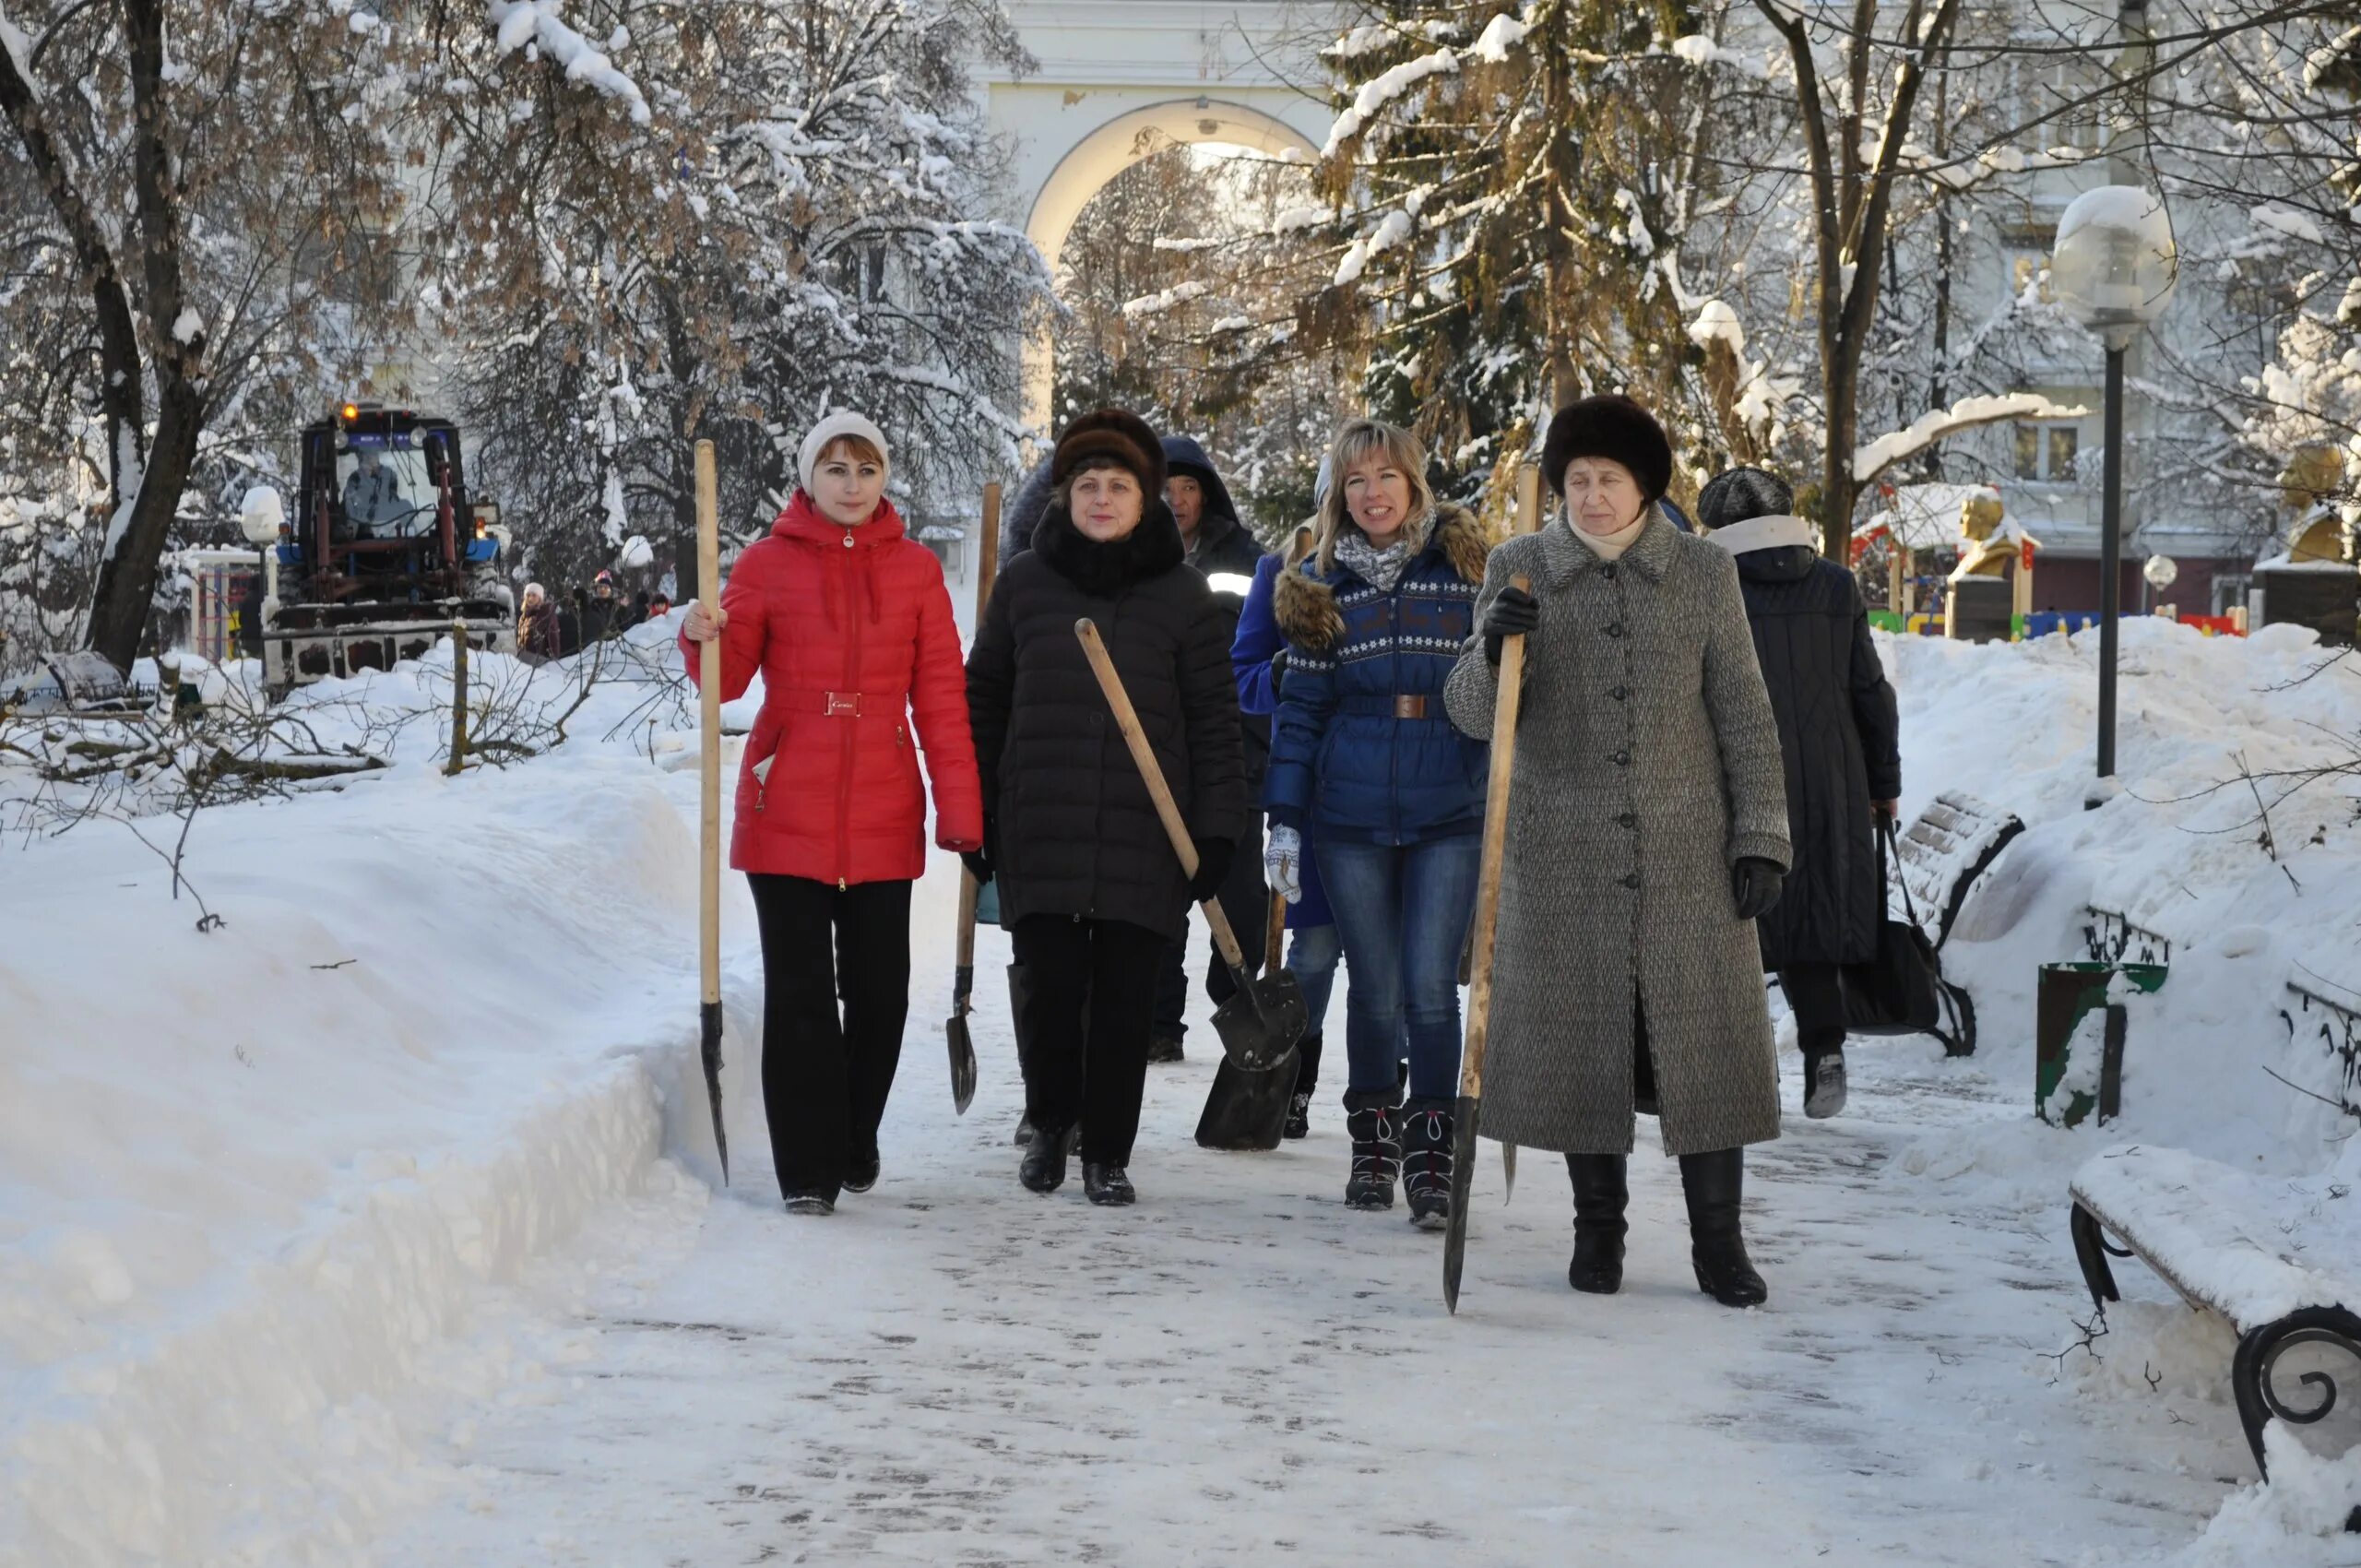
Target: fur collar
<point>1105,570</point>
<point>1765,533</point>
<point>1304,602</point>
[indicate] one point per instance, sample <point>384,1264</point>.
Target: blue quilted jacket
<point>1353,757</point>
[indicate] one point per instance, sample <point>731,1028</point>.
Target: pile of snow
<point>250,1176</point>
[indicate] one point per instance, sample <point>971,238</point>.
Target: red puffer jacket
<point>852,631</point>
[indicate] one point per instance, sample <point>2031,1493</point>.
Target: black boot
<point>861,1173</point>
<point>1107,1185</point>
<point>1601,1190</point>
<point>1165,1046</point>
<point>1377,1153</point>
<point>1713,1184</point>
<point>1823,1074</point>
<point>1425,1161</point>
<point>1307,1079</point>
<point>1043,1170</point>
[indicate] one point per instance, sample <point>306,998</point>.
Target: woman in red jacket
<point>850,625</point>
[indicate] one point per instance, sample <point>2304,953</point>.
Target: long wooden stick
<point>1152,773</point>
<point>1495,818</point>
<point>709,794</point>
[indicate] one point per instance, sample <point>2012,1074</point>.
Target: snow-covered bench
<point>2278,1258</point>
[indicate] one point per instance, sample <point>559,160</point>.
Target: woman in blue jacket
<point>1368,768</point>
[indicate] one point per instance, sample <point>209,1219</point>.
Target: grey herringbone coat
<point>1647,763</point>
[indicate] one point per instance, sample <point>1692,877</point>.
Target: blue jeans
<point>1313,957</point>
<point>1403,912</point>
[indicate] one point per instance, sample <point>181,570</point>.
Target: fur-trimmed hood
<point>1304,602</point>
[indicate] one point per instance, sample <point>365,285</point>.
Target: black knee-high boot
<point>1714,1183</point>
<point>1601,1189</point>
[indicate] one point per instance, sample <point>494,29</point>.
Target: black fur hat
<point>1615,428</point>
<point>1116,434</point>
<point>1736,495</point>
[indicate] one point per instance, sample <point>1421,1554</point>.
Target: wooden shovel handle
<point>1275,935</point>
<point>1127,719</point>
<point>1496,820</point>
<point>708,489</point>
<point>987,568</point>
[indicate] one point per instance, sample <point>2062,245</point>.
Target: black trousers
<point>1817,1003</point>
<point>825,1077</point>
<point>1090,996</point>
<point>1246,904</point>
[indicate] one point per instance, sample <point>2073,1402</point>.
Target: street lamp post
<point>2115,269</point>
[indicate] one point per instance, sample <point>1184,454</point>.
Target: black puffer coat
<point>1074,831</point>
<point>1226,548</point>
<point>1839,737</point>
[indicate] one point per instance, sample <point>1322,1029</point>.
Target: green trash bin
<point>2073,1023</point>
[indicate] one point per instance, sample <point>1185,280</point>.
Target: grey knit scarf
<point>1382,568</point>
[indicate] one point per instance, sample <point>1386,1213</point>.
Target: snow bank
<point>248,1178</point>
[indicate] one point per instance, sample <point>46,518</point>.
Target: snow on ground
<point>408,1261</point>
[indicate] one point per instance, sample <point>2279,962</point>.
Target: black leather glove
<point>1514,613</point>
<point>1214,856</point>
<point>1755,882</point>
<point>1278,671</point>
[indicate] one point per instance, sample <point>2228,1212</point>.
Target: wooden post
<point>458,698</point>
<point>708,489</point>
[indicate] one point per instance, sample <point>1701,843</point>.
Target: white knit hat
<point>841,423</point>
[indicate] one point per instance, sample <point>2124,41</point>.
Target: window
<point>2064,441</point>
<point>2230,592</point>
<point>2027,257</point>
<point>2046,454</point>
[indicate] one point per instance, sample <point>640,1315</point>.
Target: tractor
<point>386,554</point>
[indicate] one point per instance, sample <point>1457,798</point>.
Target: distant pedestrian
<point>1647,829</point>
<point>1090,889</point>
<point>601,614</point>
<point>635,613</point>
<point>1224,551</point>
<point>1840,736</point>
<point>537,626</point>
<point>658,606</point>
<point>849,621</point>
<point>1367,768</point>
<point>570,611</point>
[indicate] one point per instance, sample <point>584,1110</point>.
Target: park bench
<point>2275,1258</point>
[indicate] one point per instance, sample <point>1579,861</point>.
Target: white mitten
<point>1283,863</point>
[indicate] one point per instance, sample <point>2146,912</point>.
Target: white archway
<point>1118,81</point>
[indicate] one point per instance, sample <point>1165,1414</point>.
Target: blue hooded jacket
<point>1347,764</point>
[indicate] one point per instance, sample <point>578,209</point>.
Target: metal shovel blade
<point>963,1060</point>
<point>1462,1165</point>
<point>1261,1021</point>
<point>709,1026</point>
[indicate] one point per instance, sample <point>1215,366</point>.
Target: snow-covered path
<point>951,1370</point>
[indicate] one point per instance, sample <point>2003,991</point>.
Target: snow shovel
<point>1248,1111</point>
<point>963,974</point>
<point>1263,1018</point>
<point>709,796</point>
<point>1486,926</point>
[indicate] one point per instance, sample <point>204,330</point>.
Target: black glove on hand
<point>981,863</point>
<point>1755,882</point>
<point>1214,856</point>
<point>1278,671</point>
<point>1514,613</point>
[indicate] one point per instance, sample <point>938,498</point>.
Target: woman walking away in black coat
<point>1090,889</point>
<point>1840,739</point>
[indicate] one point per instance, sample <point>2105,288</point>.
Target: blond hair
<point>1356,439</point>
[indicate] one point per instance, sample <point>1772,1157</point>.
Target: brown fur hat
<point>1115,433</point>
<point>1613,427</point>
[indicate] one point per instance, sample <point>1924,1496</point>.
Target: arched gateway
<point>1120,79</point>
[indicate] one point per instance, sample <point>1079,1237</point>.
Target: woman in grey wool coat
<point>1647,828</point>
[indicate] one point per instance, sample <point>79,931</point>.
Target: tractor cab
<point>385,549</point>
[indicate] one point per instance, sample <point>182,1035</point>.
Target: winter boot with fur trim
<point>1426,1132</point>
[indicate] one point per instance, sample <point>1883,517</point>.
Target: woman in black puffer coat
<point>1840,737</point>
<point>1090,889</point>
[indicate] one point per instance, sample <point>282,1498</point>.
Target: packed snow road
<point>953,1370</point>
